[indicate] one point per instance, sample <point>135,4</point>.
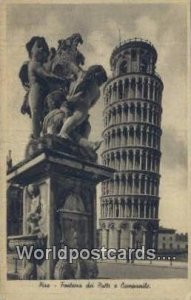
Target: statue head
<point>37,47</point>
<point>94,73</point>
<point>55,99</point>
<point>33,190</point>
<point>71,42</point>
<point>98,73</point>
<point>76,39</point>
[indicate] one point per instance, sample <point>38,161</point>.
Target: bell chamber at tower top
<point>133,56</point>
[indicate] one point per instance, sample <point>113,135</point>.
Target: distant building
<point>172,243</point>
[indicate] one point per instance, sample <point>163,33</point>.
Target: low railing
<point>133,40</point>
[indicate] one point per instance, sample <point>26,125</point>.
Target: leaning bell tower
<point>132,134</point>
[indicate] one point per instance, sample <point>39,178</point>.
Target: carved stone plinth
<point>62,212</point>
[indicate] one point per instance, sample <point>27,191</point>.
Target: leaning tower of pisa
<point>132,133</point>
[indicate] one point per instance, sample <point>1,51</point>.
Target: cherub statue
<point>70,117</point>
<point>59,111</point>
<point>59,93</point>
<point>35,79</point>
<point>38,80</point>
<point>83,94</point>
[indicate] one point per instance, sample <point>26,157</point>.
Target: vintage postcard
<point>95,134</point>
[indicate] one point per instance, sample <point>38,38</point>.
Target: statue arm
<point>41,72</point>
<point>74,98</point>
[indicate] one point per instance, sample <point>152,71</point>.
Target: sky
<point>165,25</point>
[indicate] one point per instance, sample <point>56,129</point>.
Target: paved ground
<point>142,270</point>
<point>123,270</point>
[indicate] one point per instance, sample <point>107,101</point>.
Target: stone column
<point>149,88</point>
<point>135,111</point>
<point>154,88</point>
<point>154,164</point>
<point>124,238</point>
<point>106,208</point>
<point>136,88</point>
<point>133,183</point>
<point>117,157</point>
<point>146,160</point>
<point>121,167</point>
<point>154,211</point>
<point>101,209</point>
<point>126,185</point>
<point>103,206</point>
<point>119,205</point>
<point>156,92</point>
<point>123,88</point>
<point>123,143</point>
<point>133,162</point>
<point>131,239</point>
<point>107,238</point>
<point>115,185</point>
<point>152,167</point>
<point>123,113</point>
<point>126,207</point>
<point>144,237</point>
<point>145,209</point>
<point>139,208</point>
<point>113,208</point>
<point>120,184</point>
<point>149,209</point>
<point>143,85</point>
<point>154,244</point>
<point>153,116</point>
<point>142,113</point>
<point>117,91</point>
<point>113,237</point>
<point>127,160</point>
<point>148,111</point>
<point>117,116</point>
<point>130,88</point>
<point>109,209</point>
<point>112,116</point>
<point>120,136</point>
<point>127,136</point>
<point>141,159</point>
<point>104,237</point>
<point>132,208</point>
<point>138,60</point>
<point>118,238</point>
<point>140,183</point>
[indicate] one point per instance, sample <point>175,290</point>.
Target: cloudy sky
<point>163,24</point>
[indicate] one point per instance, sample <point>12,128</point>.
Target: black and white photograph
<point>95,142</point>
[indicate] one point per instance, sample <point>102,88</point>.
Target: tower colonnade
<point>132,111</point>
<point>134,87</point>
<point>129,207</point>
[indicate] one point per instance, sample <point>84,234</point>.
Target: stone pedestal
<point>67,188</point>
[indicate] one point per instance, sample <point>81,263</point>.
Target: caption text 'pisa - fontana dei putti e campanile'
<point>132,134</point>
